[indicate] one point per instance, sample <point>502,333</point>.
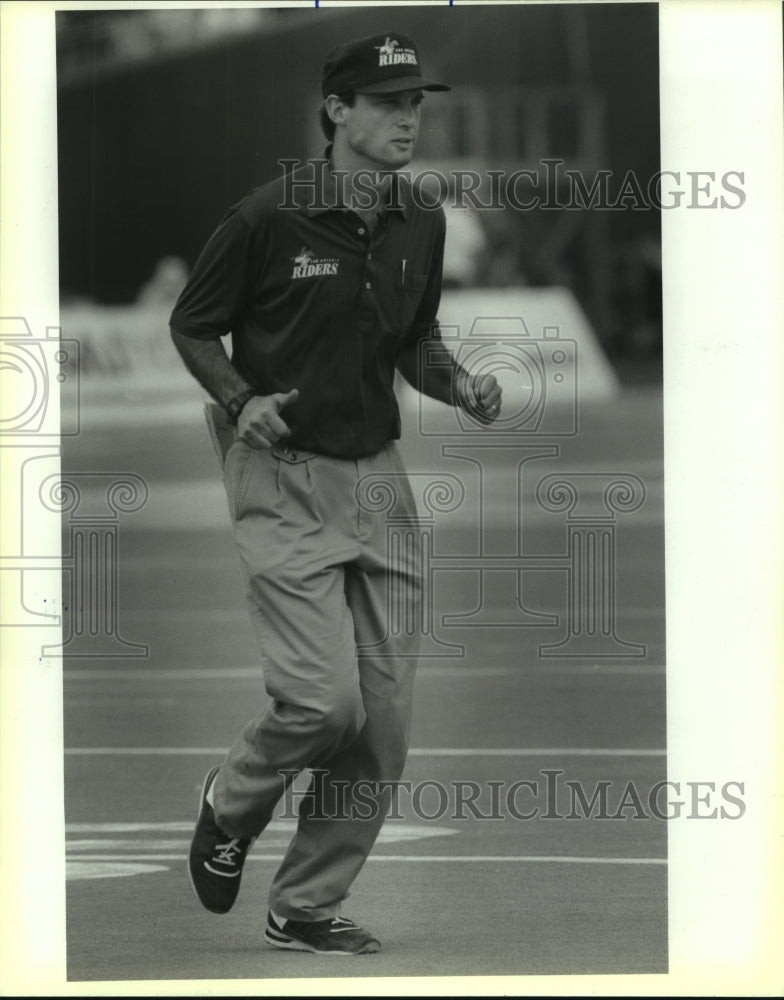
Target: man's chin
<point>398,155</point>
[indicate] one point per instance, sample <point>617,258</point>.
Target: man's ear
<point>336,109</point>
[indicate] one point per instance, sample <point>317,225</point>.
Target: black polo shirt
<point>314,302</point>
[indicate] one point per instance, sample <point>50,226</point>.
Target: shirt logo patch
<point>391,54</point>
<point>307,265</point>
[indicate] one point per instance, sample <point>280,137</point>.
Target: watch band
<point>235,405</point>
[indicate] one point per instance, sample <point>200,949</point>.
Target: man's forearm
<point>436,380</point>
<point>208,362</point>
<point>444,379</point>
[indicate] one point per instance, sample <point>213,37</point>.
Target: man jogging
<point>328,280</point>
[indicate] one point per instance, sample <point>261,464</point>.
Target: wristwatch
<point>235,405</point>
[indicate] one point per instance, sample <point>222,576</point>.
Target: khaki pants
<point>320,581</point>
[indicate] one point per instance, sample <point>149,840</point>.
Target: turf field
<point>449,890</point>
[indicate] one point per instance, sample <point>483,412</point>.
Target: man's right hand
<point>259,424</point>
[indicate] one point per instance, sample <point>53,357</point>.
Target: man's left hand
<point>479,396</point>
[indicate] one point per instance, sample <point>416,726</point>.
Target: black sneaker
<point>215,860</point>
<point>335,936</point>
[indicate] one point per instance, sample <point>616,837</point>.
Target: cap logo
<point>352,67</point>
<point>391,54</point>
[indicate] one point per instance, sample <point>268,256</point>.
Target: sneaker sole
<point>291,944</point>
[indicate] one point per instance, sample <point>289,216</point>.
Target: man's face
<point>381,129</point>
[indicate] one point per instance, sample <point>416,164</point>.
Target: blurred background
<point>167,117</point>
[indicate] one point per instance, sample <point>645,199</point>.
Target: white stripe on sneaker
<point>215,871</point>
<point>274,936</point>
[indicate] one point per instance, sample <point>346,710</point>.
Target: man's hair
<point>327,125</point>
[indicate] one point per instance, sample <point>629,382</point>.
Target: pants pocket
<point>236,476</point>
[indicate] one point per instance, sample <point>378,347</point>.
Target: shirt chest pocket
<point>409,289</point>
<point>411,283</point>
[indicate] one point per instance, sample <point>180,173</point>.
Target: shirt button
<point>361,231</point>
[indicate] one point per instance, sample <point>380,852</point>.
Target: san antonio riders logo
<point>391,54</point>
<point>307,265</point>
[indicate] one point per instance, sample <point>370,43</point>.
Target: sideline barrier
<point>127,344</point>
<point>131,342</point>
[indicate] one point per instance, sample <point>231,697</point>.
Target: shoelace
<point>328,924</point>
<point>335,924</point>
<point>338,924</point>
<point>225,852</point>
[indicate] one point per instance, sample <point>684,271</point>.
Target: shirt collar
<point>323,193</point>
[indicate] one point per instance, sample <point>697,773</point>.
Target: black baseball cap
<point>380,64</point>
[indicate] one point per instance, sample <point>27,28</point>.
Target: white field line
<point>276,826</point>
<point>235,614</point>
<point>413,752</point>
<point>172,508</point>
<point>157,836</point>
<point>180,492</point>
<point>455,670</point>
<point>451,859</point>
<point>255,673</point>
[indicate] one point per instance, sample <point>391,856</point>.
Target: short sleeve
<point>217,289</point>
